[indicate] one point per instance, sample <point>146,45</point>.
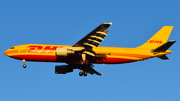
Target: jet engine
<point>63,69</point>
<point>63,51</point>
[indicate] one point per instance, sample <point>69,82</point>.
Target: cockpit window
<point>12,48</point>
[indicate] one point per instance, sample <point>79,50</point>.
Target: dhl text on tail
<point>83,54</point>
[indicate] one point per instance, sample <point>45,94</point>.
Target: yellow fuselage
<point>104,55</point>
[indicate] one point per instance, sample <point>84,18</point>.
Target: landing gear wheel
<point>85,73</point>
<point>80,73</point>
<point>24,66</point>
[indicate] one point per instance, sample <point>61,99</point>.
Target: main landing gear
<point>82,73</point>
<point>24,65</point>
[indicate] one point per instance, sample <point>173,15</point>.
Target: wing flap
<point>90,45</point>
<point>89,53</point>
<point>103,33</point>
<point>97,37</point>
<point>94,41</point>
<point>91,71</point>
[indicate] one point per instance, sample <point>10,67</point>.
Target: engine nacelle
<point>63,69</point>
<point>63,51</point>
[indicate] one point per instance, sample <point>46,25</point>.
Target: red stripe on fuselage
<point>71,59</point>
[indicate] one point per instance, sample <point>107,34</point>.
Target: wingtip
<point>109,23</point>
<point>172,41</point>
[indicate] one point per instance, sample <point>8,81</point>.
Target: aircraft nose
<point>10,52</point>
<point>5,52</point>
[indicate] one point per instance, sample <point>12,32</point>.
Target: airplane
<point>84,53</point>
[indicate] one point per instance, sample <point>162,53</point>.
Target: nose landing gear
<point>24,65</point>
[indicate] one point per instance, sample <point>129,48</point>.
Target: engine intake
<point>63,51</point>
<point>63,69</point>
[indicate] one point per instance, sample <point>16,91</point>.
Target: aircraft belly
<point>71,59</point>
<point>111,60</point>
<point>43,58</point>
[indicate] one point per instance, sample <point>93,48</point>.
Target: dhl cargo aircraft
<point>83,54</point>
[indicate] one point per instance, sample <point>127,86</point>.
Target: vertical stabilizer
<point>159,38</point>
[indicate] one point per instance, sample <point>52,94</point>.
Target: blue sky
<point>64,23</point>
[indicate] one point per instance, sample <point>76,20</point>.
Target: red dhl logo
<point>41,49</point>
<point>155,41</point>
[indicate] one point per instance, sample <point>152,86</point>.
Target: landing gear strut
<point>84,62</point>
<point>82,73</point>
<point>24,65</point>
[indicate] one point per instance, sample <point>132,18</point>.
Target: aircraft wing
<point>94,38</point>
<point>91,40</point>
<point>90,70</point>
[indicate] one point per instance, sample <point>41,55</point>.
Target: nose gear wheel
<point>24,65</point>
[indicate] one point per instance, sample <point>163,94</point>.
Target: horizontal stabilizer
<point>163,57</point>
<point>164,47</point>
